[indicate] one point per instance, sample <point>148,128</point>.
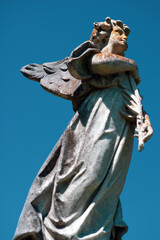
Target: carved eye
<point>120,31</point>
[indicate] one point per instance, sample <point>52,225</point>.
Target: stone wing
<point>63,78</point>
<point>58,79</point>
<point>54,77</point>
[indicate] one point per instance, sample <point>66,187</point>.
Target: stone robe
<point>75,195</point>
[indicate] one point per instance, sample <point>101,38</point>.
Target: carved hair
<point>102,30</point>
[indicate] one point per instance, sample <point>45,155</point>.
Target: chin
<point>121,54</point>
<point>126,47</point>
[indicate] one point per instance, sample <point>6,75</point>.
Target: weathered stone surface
<point>76,192</point>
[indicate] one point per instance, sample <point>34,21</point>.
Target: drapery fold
<point>75,195</point>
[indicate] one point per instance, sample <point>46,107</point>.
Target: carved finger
<point>135,135</point>
<point>149,134</point>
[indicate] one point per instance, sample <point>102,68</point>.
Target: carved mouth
<point>126,46</point>
<point>125,43</point>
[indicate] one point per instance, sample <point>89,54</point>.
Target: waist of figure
<point>106,81</point>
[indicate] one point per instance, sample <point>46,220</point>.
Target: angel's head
<point>110,36</point>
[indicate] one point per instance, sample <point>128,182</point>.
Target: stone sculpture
<point>76,192</point>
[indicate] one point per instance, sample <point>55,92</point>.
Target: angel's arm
<point>108,63</point>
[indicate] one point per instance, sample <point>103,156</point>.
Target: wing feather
<point>33,71</point>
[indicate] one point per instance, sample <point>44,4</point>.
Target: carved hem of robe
<point>76,193</point>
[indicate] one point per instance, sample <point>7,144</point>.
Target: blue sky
<point>32,120</point>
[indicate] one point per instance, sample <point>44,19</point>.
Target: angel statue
<point>75,195</point>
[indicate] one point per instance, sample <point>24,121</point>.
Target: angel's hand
<point>147,127</point>
<point>147,131</point>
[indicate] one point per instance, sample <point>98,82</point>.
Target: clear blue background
<point>32,120</point>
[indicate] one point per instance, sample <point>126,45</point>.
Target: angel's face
<point>118,41</point>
